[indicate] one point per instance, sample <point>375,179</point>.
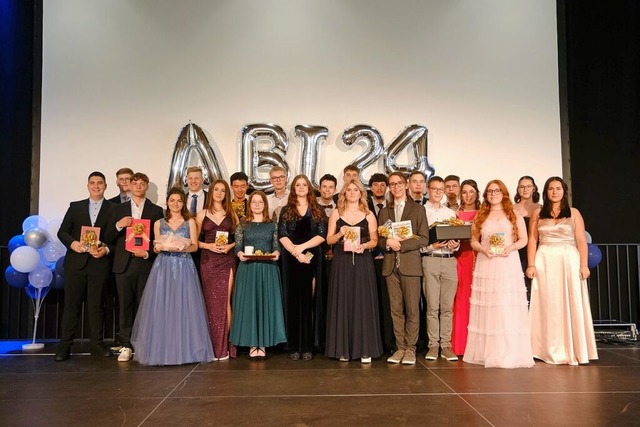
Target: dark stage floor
<point>35,390</point>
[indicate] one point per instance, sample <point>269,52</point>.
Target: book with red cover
<point>138,235</point>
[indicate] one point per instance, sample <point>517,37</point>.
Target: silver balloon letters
<point>312,137</point>
<point>262,146</point>
<point>374,145</point>
<point>412,137</point>
<point>194,149</point>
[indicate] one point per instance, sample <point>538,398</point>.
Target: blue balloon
<point>594,256</point>
<point>16,242</point>
<point>58,281</point>
<point>60,266</point>
<point>15,278</point>
<point>33,292</point>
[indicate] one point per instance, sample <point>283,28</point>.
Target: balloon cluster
<point>37,256</point>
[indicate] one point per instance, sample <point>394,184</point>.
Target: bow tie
<point>329,206</point>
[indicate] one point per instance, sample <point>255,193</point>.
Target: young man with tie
<point>123,177</point>
<point>402,268</point>
<point>280,195</point>
<point>196,196</point>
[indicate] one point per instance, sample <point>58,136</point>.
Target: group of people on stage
<point>351,273</point>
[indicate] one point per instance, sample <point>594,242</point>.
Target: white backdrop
<point>122,77</point>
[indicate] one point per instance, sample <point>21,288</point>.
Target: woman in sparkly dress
<point>217,223</point>
<point>170,327</point>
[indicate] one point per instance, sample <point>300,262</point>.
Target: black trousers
<point>130,284</point>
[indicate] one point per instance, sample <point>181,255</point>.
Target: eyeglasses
<point>436,190</point>
<point>396,184</point>
<point>278,178</point>
<point>496,191</point>
<point>525,187</point>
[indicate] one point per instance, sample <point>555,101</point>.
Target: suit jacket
<point>204,199</point>
<point>116,199</point>
<point>76,216</point>
<point>122,257</point>
<point>410,259</point>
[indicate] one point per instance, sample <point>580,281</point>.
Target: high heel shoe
<point>254,353</point>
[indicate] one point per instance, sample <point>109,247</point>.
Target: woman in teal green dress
<point>258,320</point>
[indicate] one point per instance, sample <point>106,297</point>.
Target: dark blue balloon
<point>58,281</point>
<point>594,256</point>
<point>16,242</point>
<point>15,278</point>
<point>60,266</point>
<point>33,292</point>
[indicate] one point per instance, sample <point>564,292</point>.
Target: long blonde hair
<point>362,202</point>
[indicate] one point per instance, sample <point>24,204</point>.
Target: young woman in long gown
<point>302,228</point>
<point>170,327</point>
<point>526,198</point>
<point>353,322</point>
<point>258,318</point>
<point>218,264</point>
<point>465,257</point>
<point>499,334</point>
<point>561,323</point>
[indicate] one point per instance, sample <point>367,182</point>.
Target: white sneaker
<point>365,359</point>
<point>125,354</point>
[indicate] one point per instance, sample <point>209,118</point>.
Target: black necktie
<point>380,206</point>
<point>329,206</point>
<point>194,204</point>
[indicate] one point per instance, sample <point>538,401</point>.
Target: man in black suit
<point>132,268</point>
<point>86,266</point>
<point>123,178</point>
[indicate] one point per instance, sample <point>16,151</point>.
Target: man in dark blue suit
<point>132,267</point>
<point>86,266</point>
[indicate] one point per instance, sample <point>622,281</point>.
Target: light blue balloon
<point>34,221</point>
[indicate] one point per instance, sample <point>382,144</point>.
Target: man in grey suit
<point>402,268</point>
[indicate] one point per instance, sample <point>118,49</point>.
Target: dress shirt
<point>199,200</point>
<point>328,207</point>
<point>276,202</point>
<point>136,211</point>
<point>435,215</point>
<point>94,210</point>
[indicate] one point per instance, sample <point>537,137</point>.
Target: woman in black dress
<point>302,229</point>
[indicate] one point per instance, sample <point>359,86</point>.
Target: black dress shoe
<point>100,350</point>
<point>63,353</point>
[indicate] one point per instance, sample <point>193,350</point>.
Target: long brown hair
<point>473,184</point>
<point>291,211</point>
<point>226,202</point>
<point>265,209</point>
<point>565,208</point>
<point>362,202</point>
<point>184,212</point>
<point>485,208</point>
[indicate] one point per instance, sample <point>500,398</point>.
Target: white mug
<point>248,250</point>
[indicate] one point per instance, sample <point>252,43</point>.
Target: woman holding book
<point>561,324</point>
<point>302,229</point>
<point>170,327</point>
<point>499,335</point>
<point>217,222</point>
<point>353,325</point>
<point>258,319</point>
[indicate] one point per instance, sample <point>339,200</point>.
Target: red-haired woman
<point>499,334</point>
<point>302,229</point>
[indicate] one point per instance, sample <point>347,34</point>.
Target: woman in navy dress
<point>170,327</point>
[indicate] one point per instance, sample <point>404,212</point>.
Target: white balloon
<point>25,259</point>
<point>589,239</point>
